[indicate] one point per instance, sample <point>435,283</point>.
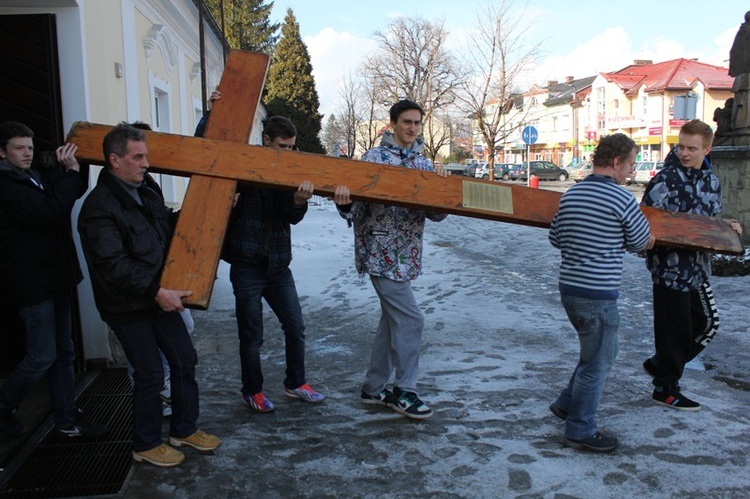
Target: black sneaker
<point>595,443</point>
<point>558,412</point>
<point>10,425</point>
<point>675,400</point>
<point>649,367</point>
<point>408,404</point>
<point>81,427</point>
<point>383,398</point>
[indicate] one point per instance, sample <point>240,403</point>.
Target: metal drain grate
<point>58,467</point>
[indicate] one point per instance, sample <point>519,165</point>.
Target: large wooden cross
<point>223,157</point>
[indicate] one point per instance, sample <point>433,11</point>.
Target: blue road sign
<point>529,135</point>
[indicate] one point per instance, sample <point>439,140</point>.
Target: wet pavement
<point>497,349</point>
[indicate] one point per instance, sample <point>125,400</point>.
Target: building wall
<point>114,55</point>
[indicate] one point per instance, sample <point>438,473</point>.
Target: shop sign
<point>626,122</point>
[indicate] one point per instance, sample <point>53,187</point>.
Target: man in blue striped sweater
<point>596,222</point>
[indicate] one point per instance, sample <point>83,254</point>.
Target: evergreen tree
<point>333,137</point>
<point>246,24</point>
<point>290,87</point>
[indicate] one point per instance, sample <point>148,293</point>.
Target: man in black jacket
<point>38,271</point>
<point>258,247</point>
<point>125,231</point>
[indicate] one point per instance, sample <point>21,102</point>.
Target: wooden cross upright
<point>217,162</point>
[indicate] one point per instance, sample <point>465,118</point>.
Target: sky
<point>578,38</point>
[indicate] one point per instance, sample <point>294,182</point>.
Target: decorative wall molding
<point>161,36</point>
<point>195,71</point>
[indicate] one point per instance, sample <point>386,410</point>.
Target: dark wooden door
<point>30,83</point>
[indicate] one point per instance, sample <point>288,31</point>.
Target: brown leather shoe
<point>162,456</point>
<point>200,440</point>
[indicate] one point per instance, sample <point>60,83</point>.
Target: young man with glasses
<point>258,247</point>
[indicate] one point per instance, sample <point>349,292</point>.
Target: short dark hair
<point>697,127</point>
<point>279,126</point>
<point>116,140</point>
<point>404,105</point>
<point>140,125</point>
<point>12,129</point>
<point>617,145</point>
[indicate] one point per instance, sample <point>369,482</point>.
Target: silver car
<point>645,171</point>
<point>581,171</point>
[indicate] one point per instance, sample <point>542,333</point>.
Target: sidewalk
<point>497,350</point>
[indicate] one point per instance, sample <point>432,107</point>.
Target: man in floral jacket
<point>388,247</point>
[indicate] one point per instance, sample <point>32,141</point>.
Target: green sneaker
<point>409,404</point>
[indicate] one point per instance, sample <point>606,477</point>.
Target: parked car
<point>544,170</point>
<point>455,168</point>
<point>471,170</point>
<point>502,171</point>
<point>630,177</point>
<point>515,171</point>
<point>481,171</point>
<point>645,171</point>
<point>575,162</point>
<point>581,171</point>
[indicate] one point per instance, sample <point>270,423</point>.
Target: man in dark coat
<point>125,232</point>
<point>39,271</point>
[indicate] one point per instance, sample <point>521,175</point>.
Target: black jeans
<point>684,323</point>
<point>142,341</point>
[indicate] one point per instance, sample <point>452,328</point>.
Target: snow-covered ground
<point>496,351</point>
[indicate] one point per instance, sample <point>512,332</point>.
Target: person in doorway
<point>39,271</point>
<point>388,247</point>
<point>258,247</point>
<point>685,314</point>
<point>125,231</point>
<point>596,222</point>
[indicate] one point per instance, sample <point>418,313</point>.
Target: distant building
<point>647,101</point>
<point>650,102</point>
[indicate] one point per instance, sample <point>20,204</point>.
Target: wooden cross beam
<point>223,159</point>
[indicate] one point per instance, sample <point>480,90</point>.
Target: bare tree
<point>413,63</point>
<point>371,112</point>
<point>350,102</point>
<point>497,57</point>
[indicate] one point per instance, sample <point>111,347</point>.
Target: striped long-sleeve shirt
<point>596,222</point>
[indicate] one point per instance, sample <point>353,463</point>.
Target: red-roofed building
<point>640,100</point>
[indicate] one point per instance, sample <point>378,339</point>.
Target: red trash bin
<point>534,181</point>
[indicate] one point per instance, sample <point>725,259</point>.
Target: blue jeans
<point>49,350</point>
<point>251,283</point>
<point>142,342</point>
<point>596,322</point>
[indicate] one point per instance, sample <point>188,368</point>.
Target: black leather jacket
<point>38,259</point>
<point>125,245</point>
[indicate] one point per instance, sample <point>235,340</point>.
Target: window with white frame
<point>601,105</point>
<point>161,122</point>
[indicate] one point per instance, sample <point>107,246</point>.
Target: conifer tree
<point>290,87</point>
<point>246,24</point>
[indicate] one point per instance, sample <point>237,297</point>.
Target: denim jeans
<point>49,350</point>
<point>142,342</point>
<point>251,283</point>
<point>596,322</point>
